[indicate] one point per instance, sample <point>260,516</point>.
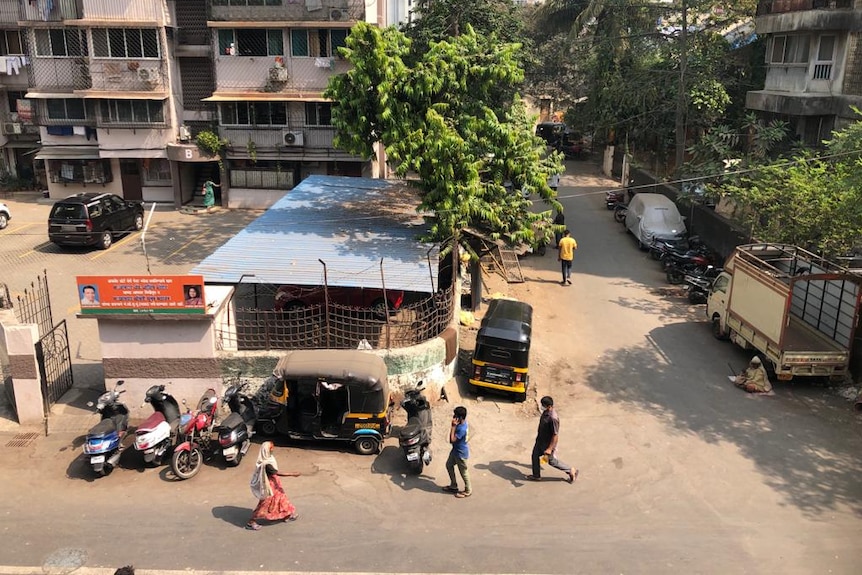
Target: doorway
<point>130,177</point>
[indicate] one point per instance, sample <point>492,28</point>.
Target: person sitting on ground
<point>754,379</point>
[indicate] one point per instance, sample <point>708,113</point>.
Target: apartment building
<point>119,90</point>
<point>814,65</point>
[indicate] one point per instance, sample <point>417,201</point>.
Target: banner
<point>141,294</point>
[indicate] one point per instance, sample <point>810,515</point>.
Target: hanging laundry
<point>12,65</point>
<point>79,130</point>
<point>60,130</point>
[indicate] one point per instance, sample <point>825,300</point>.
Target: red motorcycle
<point>197,438</point>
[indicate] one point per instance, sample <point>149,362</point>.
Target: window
<point>316,43</point>
<point>133,111</point>
<point>252,42</point>
<point>10,42</point>
<point>66,109</point>
<point>125,43</point>
<point>825,54</point>
<point>789,50</point>
<point>318,114</point>
<point>61,42</point>
<point>157,170</point>
<point>254,113</point>
<point>264,174</point>
<point>79,171</point>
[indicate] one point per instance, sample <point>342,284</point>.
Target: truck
<point>797,309</point>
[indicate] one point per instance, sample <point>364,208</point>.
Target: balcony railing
<point>255,73</point>
<point>59,74</point>
<point>127,75</point>
<point>59,10</point>
<point>822,71</point>
<point>9,11</point>
<point>286,10</point>
<point>781,6</point>
<point>272,137</point>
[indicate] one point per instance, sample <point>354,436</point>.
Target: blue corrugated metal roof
<point>349,223</point>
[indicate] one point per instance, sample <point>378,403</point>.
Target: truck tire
<point>716,329</point>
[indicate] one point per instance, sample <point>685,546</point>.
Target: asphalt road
<point>679,471</point>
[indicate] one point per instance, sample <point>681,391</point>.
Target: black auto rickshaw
<point>502,356</point>
<point>330,395</point>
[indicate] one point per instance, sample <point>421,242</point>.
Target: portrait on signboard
<point>193,295</point>
<point>89,295</point>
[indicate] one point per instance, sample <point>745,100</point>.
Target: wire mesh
<point>338,326</point>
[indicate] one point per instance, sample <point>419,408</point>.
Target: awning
<point>68,153</point>
<point>264,97</point>
<point>134,153</point>
<point>50,95</point>
<point>120,95</point>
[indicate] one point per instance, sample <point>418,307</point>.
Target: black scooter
<point>104,440</point>
<point>236,430</point>
<point>415,437</point>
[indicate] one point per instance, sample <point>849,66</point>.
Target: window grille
<point>318,114</point>
<point>68,42</point>
<point>133,111</point>
<point>126,43</point>
<point>66,109</point>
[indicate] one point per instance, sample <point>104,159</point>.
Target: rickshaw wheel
<point>521,397</point>
<point>366,445</point>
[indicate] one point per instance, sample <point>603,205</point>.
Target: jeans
<point>538,450</point>
<point>567,269</point>
<point>462,468</point>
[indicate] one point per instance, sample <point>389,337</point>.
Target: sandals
<point>572,476</point>
<point>463,494</point>
<point>252,526</point>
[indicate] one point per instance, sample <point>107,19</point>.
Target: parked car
<point>551,132</point>
<point>93,219</point>
<point>292,297</point>
<point>5,215</point>
<point>653,216</point>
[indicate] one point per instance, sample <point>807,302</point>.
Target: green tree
<point>437,115</point>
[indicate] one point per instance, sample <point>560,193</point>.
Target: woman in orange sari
<point>275,506</point>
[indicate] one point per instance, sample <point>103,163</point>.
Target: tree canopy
<point>439,114</point>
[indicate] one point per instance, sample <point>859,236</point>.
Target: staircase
<point>205,172</point>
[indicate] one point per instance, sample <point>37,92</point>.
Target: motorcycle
<point>235,432</point>
<point>680,245</point>
<point>158,433</point>
<point>197,438</point>
<point>614,197</point>
<point>620,212</point>
<point>698,285</point>
<point>103,443</point>
<point>415,437</point>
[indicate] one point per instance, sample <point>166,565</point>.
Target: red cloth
<point>276,507</point>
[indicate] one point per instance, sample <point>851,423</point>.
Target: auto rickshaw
<point>331,395</point>
<point>502,356</point>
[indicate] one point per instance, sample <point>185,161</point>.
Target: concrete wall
<point>18,354</point>
<point>254,199</point>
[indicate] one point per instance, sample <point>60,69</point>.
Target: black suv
<point>93,219</point>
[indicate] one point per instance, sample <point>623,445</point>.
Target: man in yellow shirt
<point>568,245</point>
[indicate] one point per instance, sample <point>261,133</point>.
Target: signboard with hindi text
<point>101,295</point>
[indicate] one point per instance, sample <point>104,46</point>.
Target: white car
<point>651,216</point>
<point>5,215</point>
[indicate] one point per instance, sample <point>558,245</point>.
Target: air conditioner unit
<point>185,134</point>
<point>293,139</point>
<point>336,14</point>
<point>12,128</point>
<point>278,74</point>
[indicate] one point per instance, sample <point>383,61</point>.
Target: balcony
<point>16,130</point>
<point>811,15</point>
<point>262,74</point>
<point>268,138</point>
<point>9,12</point>
<point>13,73</point>
<point>282,11</point>
<point>118,78</point>
<point>126,12</point>
<point>60,10</point>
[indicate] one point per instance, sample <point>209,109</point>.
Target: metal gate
<point>55,364</point>
<point>52,349</point>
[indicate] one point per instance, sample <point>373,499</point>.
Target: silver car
<point>651,216</point>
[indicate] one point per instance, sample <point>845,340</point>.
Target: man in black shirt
<point>546,443</point>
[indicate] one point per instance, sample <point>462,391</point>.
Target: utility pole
<point>680,100</point>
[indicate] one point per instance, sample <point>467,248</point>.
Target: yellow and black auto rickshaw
<point>502,356</point>
<point>330,395</point>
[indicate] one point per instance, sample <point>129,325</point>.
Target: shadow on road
<point>232,514</point>
<point>391,462</point>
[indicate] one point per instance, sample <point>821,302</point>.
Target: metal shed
<point>350,224</point>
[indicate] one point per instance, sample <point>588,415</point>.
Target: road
<point>679,471</point>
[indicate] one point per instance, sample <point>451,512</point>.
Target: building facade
<point>814,65</point>
<point>117,91</point>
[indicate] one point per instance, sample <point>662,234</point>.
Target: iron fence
<point>339,327</point>
<point>35,305</point>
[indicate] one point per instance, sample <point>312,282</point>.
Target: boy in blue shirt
<point>458,437</point>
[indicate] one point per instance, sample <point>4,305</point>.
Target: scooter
<point>415,437</point>
<point>158,433</point>
<point>197,433</point>
<point>235,432</point>
<point>104,440</point>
